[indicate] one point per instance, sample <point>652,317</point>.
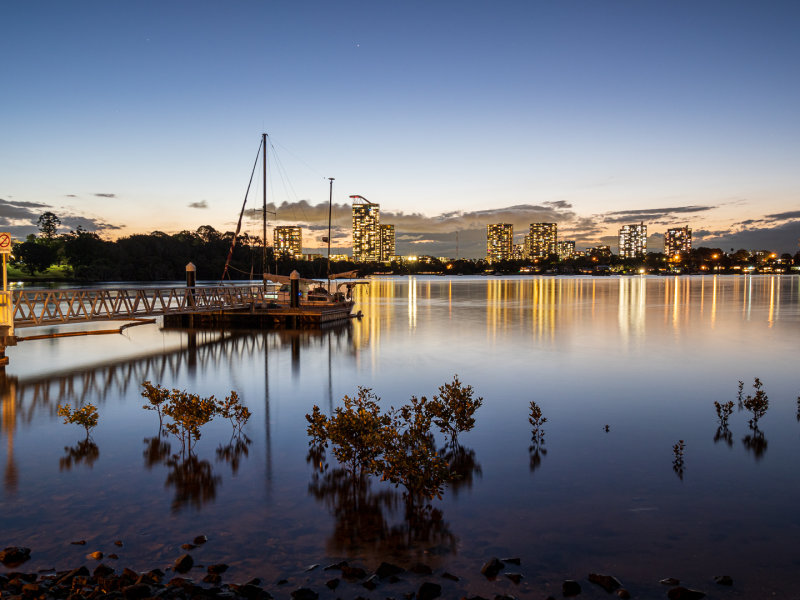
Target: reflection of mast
<point>267,435</point>
<point>330,379</point>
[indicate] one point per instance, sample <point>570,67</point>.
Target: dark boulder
<point>682,593</point>
<point>387,570</point>
<point>570,587</point>
<point>723,580</point>
<point>304,594</point>
<point>429,591</point>
<point>14,555</point>
<point>491,568</point>
<point>608,582</point>
<point>183,564</point>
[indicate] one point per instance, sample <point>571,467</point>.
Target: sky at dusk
<point>129,117</point>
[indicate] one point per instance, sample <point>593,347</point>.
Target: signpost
<point>6,307</point>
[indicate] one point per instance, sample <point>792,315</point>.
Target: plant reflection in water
<point>84,452</point>
<point>362,515</point>
<point>755,442</point>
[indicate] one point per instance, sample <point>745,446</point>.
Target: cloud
<point>652,215</point>
<point>781,238</point>
<point>106,195</point>
<point>11,211</point>
<point>87,224</point>
<point>784,216</point>
<point>200,204</point>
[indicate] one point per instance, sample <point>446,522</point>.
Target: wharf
<point>309,315</point>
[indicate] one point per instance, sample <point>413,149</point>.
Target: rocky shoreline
<point>338,580</point>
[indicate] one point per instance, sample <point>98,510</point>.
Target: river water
<point>645,356</point>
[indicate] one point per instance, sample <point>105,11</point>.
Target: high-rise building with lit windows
<point>542,240</point>
<point>633,241</point>
<point>499,241</point>
<point>677,242</point>
<point>288,239</point>
<point>366,230</point>
<point>566,249</point>
<point>387,243</point>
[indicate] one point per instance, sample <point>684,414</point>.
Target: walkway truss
<point>48,307</point>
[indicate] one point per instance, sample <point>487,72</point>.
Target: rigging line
<point>287,184</point>
<point>300,159</point>
<point>241,213</point>
<point>284,177</point>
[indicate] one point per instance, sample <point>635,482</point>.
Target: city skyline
<point>127,119</point>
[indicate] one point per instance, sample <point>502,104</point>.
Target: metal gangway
<point>35,308</point>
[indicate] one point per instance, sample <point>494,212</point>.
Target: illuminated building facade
<point>288,240</point>
<point>366,230</point>
<point>677,242</point>
<point>633,241</point>
<point>542,240</point>
<point>566,249</point>
<point>387,243</point>
<point>499,241</point>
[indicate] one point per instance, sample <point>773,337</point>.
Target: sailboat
<point>316,296</point>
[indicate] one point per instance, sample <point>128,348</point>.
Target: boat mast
<point>264,212</point>
<point>330,209</point>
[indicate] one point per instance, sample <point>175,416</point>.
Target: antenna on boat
<point>330,210</point>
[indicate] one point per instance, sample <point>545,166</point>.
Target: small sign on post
<point>6,308</point>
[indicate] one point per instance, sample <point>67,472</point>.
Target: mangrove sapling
<point>238,414</point>
<point>757,404</point>
<point>410,458</point>
<point>86,416</point>
<point>189,412</point>
<point>357,432</point>
<point>454,408</point>
<point>724,411</point>
<point>156,396</point>
<point>536,420</point>
<point>677,460</point>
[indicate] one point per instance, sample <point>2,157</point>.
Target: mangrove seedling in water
<point>356,431</point>
<point>757,404</point>
<point>677,461</point>
<point>86,416</point>
<point>536,420</point>
<point>189,412</point>
<point>453,409</point>
<point>724,411</point>
<point>237,413</point>
<point>156,397</point>
<point>740,387</point>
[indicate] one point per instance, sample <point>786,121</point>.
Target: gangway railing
<point>32,308</point>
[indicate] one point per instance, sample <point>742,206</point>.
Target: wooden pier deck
<point>309,315</point>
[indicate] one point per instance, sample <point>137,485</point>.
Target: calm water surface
<point>646,356</point>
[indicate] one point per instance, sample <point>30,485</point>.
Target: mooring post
<point>191,280</point>
<point>294,289</point>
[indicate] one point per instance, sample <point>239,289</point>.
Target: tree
<point>48,225</point>
<point>34,257</point>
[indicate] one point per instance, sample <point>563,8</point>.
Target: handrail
<point>32,308</point>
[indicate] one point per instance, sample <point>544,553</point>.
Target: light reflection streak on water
<point>631,308</point>
<point>714,302</point>
<point>770,317</point>
<point>412,303</point>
